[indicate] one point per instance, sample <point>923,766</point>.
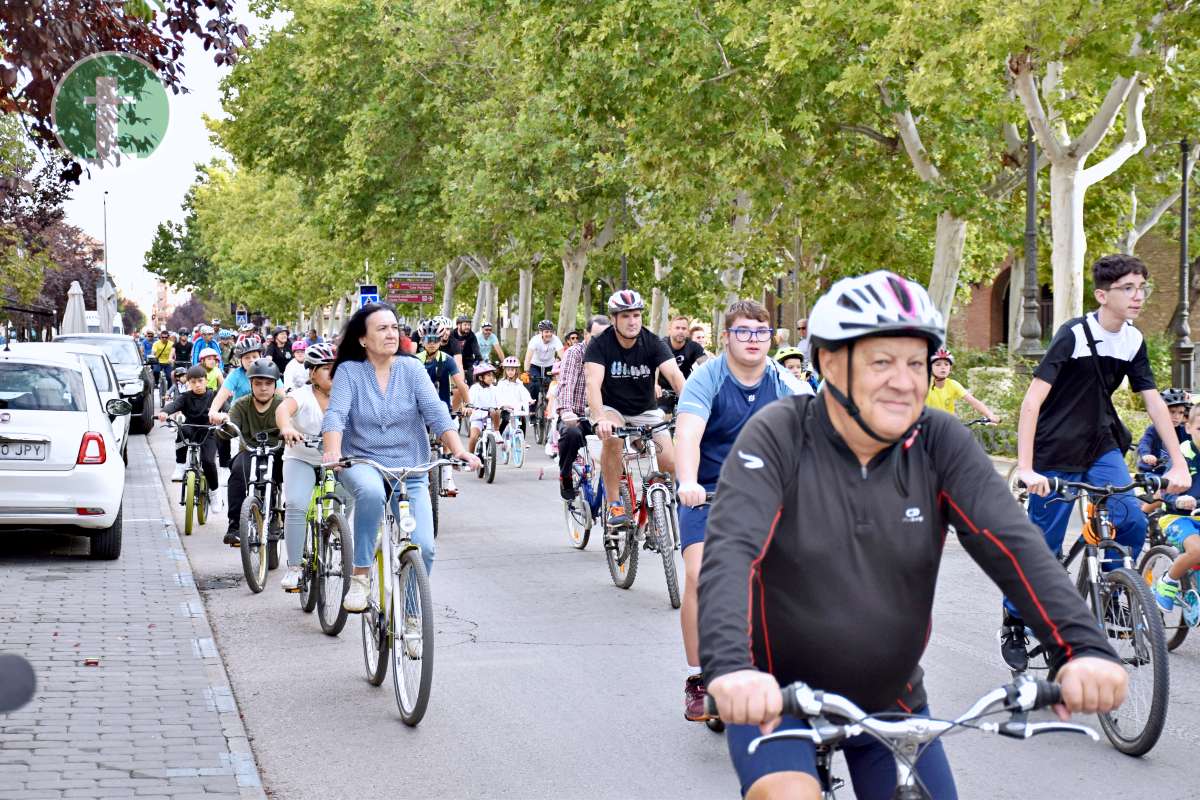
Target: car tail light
<point>89,512</point>
<point>91,449</point>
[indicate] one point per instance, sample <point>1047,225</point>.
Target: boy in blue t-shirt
<point>1183,531</point>
<point>719,397</point>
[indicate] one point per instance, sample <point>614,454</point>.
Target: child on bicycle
<point>179,384</point>
<point>211,361</point>
<point>193,405</point>
<point>792,358</point>
<point>512,393</point>
<point>253,414</point>
<point>1182,531</point>
<point>1152,455</point>
<point>944,391</point>
<point>485,401</point>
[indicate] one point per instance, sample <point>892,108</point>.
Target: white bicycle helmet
<point>435,326</point>
<point>625,300</point>
<point>878,304</point>
<point>320,354</point>
<point>511,361</point>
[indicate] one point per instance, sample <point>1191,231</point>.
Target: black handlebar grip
<point>790,706</point>
<point>710,707</point>
<point>1048,694</point>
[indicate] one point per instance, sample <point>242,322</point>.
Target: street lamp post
<point>106,236</point>
<point>1184,352</point>
<point>1030,348</point>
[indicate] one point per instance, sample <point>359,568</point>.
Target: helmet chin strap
<point>847,402</point>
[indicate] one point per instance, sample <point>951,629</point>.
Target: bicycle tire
<point>275,540</point>
<point>666,548</point>
<point>622,556</point>
<point>203,501</point>
<point>517,446</point>
<point>376,638</point>
<point>189,502</point>
<point>435,494</point>
<point>578,522</point>
<point>309,575</point>
<point>1137,738</point>
<point>1153,565</point>
<point>489,463</point>
<point>335,564</point>
<point>543,429</point>
<point>254,545</point>
<point>412,662</point>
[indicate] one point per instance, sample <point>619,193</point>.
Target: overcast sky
<point>144,192</point>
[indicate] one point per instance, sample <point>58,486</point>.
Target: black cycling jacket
<point>818,569</point>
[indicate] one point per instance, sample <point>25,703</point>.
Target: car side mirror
<point>118,407</point>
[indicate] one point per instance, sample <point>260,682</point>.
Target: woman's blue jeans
<point>366,484</point>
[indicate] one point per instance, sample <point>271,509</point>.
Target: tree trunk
<point>1067,191</point>
<point>482,298</point>
<point>339,314</point>
<point>950,239</point>
<point>574,263</point>
<point>1016,297</point>
<point>524,308</point>
<point>449,285</point>
<point>588,307</point>
<point>660,301</point>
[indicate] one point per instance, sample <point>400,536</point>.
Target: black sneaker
<point>232,539</point>
<point>566,491</point>
<point>1014,645</point>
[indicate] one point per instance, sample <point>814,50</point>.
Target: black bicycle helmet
<point>263,368</point>
<point>1175,397</point>
<point>463,318</point>
<point>545,325</point>
<point>251,344</point>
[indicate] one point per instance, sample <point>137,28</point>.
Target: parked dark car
<point>137,379</point>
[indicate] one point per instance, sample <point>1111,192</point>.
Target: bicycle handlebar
<point>1019,697</point>
<point>1142,480</point>
<point>642,430</point>
<point>398,473</point>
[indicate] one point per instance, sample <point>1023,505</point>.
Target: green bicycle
<point>327,558</point>
<point>195,498</point>
<point>397,624</point>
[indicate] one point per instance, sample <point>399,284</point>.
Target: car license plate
<point>23,451</point>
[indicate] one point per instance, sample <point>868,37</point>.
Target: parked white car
<point>108,385</point>
<point>59,462</point>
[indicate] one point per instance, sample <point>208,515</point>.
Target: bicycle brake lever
<point>1018,728</point>
<point>792,733</point>
<point>825,732</point>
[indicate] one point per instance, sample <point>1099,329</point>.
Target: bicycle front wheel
<point>621,547</point>
<point>1155,563</point>
<point>335,564</point>
<point>376,638</point>
<point>1135,630</point>
<point>412,638</point>
<point>309,575</point>
<point>202,501</point>
<point>666,548</point>
<point>518,448</point>
<point>254,544</point>
<point>189,501</point>
<point>489,459</point>
<point>435,493</point>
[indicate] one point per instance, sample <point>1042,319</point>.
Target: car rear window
<point>40,387</point>
<point>120,351</point>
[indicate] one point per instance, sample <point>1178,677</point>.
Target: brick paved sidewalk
<point>154,716</point>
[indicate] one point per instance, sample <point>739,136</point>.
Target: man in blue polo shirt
<point>718,399</point>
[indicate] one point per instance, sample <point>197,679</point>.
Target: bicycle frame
<point>654,482</point>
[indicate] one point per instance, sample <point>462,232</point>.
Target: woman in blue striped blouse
<point>379,408</point>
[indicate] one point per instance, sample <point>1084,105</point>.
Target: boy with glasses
<point>719,397</point>
<point>1069,428</point>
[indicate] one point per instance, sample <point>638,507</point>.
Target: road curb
<point>219,694</point>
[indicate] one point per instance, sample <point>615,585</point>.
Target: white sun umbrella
<point>74,319</point>
<point>106,305</point>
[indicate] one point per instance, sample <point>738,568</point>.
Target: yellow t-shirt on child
<point>944,398</point>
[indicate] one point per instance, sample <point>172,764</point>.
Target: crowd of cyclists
<point>835,459</point>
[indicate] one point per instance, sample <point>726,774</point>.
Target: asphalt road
<point>551,682</point>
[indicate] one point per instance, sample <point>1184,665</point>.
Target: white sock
<point>693,671</point>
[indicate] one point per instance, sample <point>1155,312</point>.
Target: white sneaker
<point>449,488</point>
<point>177,475</point>
<point>412,638</point>
<point>356,599</point>
<point>291,579</point>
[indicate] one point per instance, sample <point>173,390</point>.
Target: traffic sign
<point>410,287</point>
<point>367,293</point>
<point>241,317</point>
<point>410,297</point>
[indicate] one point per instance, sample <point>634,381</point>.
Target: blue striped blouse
<point>387,427</point>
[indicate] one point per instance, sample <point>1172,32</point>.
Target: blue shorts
<point>692,522</point>
<point>871,765</point>
<point>1180,529</point>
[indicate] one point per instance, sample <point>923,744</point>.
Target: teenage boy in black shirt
<point>619,367</point>
<point>1068,427</point>
<point>686,352</point>
<point>194,405</point>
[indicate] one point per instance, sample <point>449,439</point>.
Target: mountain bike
<point>327,558</point>
<point>588,507</point>
<point>835,719</point>
<point>513,451</point>
<point>654,518</point>
<point>1155,563</point>
<point>1124,608</point>
<point>436,453</point>
<point>397,624</point>
<point>261,520</point>
<point>541,425</point>
<point>195,496</point>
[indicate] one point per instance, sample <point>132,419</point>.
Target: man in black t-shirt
<point>1068,428</point>
<point>466,347</point>
<point>619,366</point>
<point>686,352</point>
